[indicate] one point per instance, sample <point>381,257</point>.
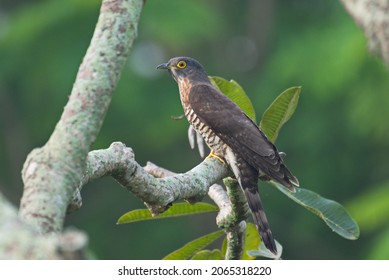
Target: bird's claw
<point>213,154</point>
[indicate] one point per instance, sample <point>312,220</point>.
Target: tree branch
<point>119,162</point>
<point>236,227</point>
<point>373,17</point>
<point>232,204</point>
<point>51,174</point>
<point>18,245</point>
<point>20,241</point>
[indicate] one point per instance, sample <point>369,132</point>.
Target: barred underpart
<point>212,140</point>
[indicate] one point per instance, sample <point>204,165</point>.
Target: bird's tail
<point>249,183</point>
<point>289,180</point>
<point>260,219</point>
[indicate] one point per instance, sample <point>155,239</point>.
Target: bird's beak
<point>164,66</point>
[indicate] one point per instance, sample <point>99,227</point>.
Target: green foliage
<point>380,248</point>
<point>191,248</point>
<point>176,210</point>
<point>236,93</point>
<point>190,32</point>
<point>262,252</point>
<point>279,112</point>
<point>331,212</point>
<point>251,248</point>
<point>350,50</point>
<point>208,255</point>
<point>35,19</point>
<point>252,240</point>
<point>337,143</point>
<point>371,208</point>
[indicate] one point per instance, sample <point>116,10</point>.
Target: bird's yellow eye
<point>181,64</point>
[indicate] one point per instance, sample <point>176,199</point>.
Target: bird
<point>232,137</point>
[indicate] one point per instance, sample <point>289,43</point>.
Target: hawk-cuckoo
<point>231,135</point>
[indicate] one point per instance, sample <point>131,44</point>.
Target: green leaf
<point>279,112</point>
<point>177,210</point>
<point>251,241</point>
<point>253,246</point>
<point>215,254</point>
<point>261,251</point>
<point>333,214</point>
<point>236,93</point>
<point>191,248</point>
<point>224,246</point>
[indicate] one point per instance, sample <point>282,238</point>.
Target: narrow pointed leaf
<point>261,251</point>
<point>333,214</point>
<point>208,255</point>
<point>177,210</point>
<point>191,248</point>
<point>279,112</point>
<point>236,93</point>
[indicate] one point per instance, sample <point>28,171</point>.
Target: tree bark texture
<point>373,17</point>
<point>52,173</point>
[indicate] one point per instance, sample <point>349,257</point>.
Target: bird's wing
<point>238,131</point>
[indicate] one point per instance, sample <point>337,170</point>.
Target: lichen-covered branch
<point>237,225</point>
<point>232,204</point>
<point>235,238</point>
<point>373,17</point>
<point>20,241</point>
<point>17,240</point>
<point>157,193</point>
<point>239,204</point>
<point>51,174</point>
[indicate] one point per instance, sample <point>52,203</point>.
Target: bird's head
<point>185,68</point>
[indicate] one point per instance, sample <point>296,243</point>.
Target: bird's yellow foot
<point>212,154</point>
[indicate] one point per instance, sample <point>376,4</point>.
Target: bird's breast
<point>213,141</point>
<point>184,86</point>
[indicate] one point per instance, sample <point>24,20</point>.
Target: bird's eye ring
<point>181,64</point>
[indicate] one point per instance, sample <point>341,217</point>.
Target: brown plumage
<point>231,135</point>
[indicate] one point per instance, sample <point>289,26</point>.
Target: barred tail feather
<point>259,217</point>
<point>247,177</point>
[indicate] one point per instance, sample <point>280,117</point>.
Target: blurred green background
<point>336,143</point>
